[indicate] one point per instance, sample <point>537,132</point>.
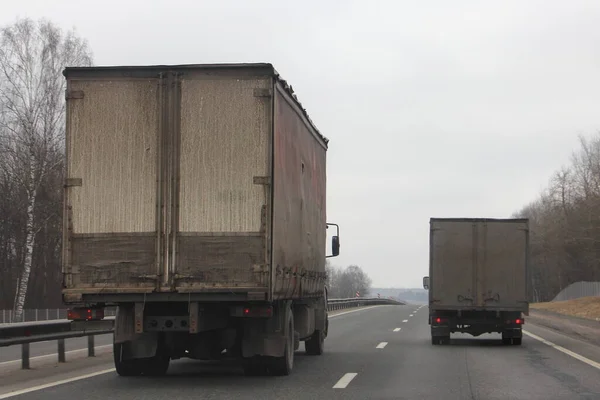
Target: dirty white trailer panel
<point>191,179</point>
<point>479,264</point>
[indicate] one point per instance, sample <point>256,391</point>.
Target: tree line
<point>565,225</point>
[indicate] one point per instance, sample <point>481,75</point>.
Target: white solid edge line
<point>345,380</point>
<point>563,350</point>
<point>54,355</point>
<point>397,329</point>
<point>381,345</point>
<point>405,320</point>
<point>51,384</point>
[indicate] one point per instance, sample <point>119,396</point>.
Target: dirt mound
<point>585,307</point>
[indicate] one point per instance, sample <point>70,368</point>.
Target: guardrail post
<point>91,349</point>
<point>25,356</point>
<point>61,350</point>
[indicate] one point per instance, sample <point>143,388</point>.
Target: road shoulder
<point>577,328</point>
<point>24,379</point>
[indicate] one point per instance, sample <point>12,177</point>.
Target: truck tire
<point>517,341</point>
<point>255,366</point>
<point>155,366</point>
<point>440,340</point>
<point>282,366</point>
<point>315,345</point>
<point>125,367</point>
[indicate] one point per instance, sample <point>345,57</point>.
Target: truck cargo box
<point>191,179</point>
<point>479,264</point>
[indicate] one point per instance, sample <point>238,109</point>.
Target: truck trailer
<point>195,203</point>
<point>478,279</point>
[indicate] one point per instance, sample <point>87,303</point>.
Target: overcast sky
<point>433,108</point>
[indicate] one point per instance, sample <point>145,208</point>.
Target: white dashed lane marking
<point>345,380</point>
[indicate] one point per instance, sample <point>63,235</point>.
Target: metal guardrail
<point>577,290</point>
<point>25,333</point>
<point>338,304</point>
<point>43,314</point>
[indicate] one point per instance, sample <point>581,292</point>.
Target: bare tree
<point>333,279</point>
<point>32,57</point>
<point>565,225</point>
<point>344,283</point>
<point>352,280</point>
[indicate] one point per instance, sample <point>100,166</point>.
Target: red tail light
<point>518,321</point>
<point>85,314</point>
<point>440,320</point>
<point>258,311</point>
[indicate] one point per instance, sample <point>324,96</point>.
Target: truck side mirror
<point>426,282</point>
<point>335,241</point>
<point>335,246</point>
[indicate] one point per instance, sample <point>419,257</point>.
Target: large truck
<point>478,277</point>
<point>195,204</point>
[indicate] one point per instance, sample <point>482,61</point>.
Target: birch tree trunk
<point>32,57</point>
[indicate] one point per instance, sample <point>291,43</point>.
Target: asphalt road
<point>367,357</point>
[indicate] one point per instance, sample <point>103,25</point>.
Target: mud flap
<point>266,337</point>
<point>135,345</point>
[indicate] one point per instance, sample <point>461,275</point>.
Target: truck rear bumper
<point>89,297</point>
<point>443,323</point>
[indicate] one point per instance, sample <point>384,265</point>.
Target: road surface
<point>383,352</point>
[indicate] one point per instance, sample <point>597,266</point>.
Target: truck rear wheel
<point>155,366</point>
<point>315,345</point>
<point>440,340</point>
<point>284,365</point>
<point>255,366</point>
<point>125,367</point>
